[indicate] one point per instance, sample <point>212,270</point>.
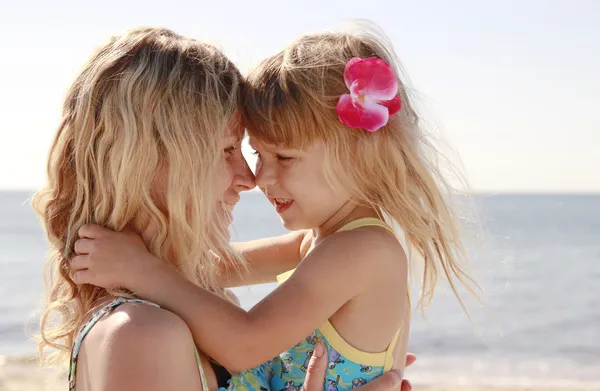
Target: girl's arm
<point>340,268</point>
<point>266,259</point>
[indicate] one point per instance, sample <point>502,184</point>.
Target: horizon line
<point>480,192</point>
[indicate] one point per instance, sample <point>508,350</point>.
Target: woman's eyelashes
<point>232,149</point>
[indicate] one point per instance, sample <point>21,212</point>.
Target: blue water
<point>538,262</point>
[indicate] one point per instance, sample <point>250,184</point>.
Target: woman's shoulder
<point>133,325</point>
<point>137,344</point>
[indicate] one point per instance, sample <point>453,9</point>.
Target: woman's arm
<point>318,365</point>
<point>340,268</point>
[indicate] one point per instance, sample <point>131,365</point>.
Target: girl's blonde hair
<point>291,100</point>
<point>148,103</point>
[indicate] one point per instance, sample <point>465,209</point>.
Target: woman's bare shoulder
<point>139,346</point>
<point>138,318</point>
<point>140,326</point>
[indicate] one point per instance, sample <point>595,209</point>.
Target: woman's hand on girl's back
<point>389,381</point>
<point>110,259</point>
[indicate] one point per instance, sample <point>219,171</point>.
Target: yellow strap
<point>335,339</point>
<point>366,222</point>
<point>374,222</point>
<point>284,276</point>
<point>389,353</point>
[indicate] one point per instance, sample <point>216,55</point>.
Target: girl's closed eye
<point>278,156</point>
<point>284,158</point>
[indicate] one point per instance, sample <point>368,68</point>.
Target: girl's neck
<point>347,213</point>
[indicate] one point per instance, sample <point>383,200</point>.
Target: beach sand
<point>25,375</point>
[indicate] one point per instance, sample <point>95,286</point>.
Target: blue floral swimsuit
<point>348,367</point>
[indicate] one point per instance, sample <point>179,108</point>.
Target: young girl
<point>341,157</point>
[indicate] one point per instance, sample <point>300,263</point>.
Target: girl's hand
<point>111,259</point>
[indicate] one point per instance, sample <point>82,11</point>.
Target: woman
<point>149,139</point>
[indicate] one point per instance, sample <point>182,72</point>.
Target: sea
<point>536,257</point>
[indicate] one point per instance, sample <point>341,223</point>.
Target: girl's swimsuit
<point>348,366</point>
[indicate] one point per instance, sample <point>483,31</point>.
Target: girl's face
<point>294,182</point>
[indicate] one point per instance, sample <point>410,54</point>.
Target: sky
<point>512,86</point>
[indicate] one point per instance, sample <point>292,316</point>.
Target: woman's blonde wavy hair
<point>148,102</point>
<point>291,100</point>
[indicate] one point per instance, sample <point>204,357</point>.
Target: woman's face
<point>235,175</point>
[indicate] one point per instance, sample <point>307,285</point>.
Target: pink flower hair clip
<point>373,96</point>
